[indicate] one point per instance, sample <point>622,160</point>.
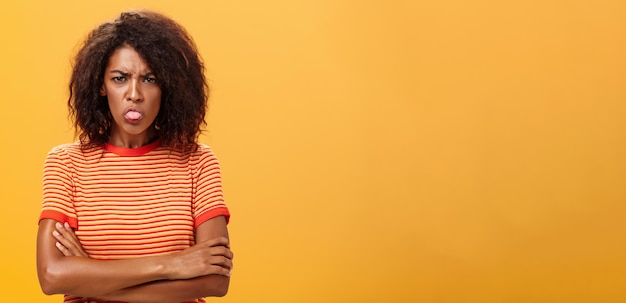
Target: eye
<point>119,79</point>
<point>150,80</point>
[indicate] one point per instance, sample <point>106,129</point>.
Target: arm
<point>212,285</point>
<point>164,290</point>
<point>79,276</point>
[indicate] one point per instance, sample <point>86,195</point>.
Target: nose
<point>134,91</point>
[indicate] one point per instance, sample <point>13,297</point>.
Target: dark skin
<point>199,271</point>
<point>202,270</point>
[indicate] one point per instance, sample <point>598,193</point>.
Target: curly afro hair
<point>171,54</point>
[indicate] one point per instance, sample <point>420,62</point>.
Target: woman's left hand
<point>67,242</point>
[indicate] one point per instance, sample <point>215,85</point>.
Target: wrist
<point>163,267</point>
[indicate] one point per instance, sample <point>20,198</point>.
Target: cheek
<point>113,97</point>
<point>157,108</point>
<point>157,102</point>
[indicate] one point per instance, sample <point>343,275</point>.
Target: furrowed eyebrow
<point>146,75</point>
<point>119,72</point>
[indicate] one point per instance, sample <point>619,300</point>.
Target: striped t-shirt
<point>132,202</point>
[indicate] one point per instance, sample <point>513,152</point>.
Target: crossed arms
<point>202,270</point>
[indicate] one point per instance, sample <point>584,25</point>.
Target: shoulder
<point>63,151</point>
<point>203,157</point>
<point>64,148</point>
<point>204,149</point>
<point>70,151</point>
<point>204,153</point>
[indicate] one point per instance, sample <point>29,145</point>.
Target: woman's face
<point>134,97</point>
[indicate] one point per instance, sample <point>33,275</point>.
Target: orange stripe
<point>127,205</point>
<point>124,205</point>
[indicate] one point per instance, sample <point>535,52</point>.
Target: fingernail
<point>55,233</point>
<point>67,225</point>
<point>58,225</point>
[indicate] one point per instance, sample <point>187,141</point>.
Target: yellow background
<point>372,151</point>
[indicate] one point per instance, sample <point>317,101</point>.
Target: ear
<point>103,91</point>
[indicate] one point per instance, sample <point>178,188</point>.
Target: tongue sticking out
<point>133,115</point>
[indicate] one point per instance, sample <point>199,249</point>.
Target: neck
<point>131,141</point>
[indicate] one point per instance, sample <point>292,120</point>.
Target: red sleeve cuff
<point>55,215</point>
<point>212,213</point>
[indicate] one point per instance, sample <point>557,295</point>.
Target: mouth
<point>133,115</point>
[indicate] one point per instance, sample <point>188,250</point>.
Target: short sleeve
<point>58,188</point>
<point>208,199</point>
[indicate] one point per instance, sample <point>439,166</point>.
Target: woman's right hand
<point>212,257</point>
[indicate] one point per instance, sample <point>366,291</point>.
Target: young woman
<point>134,211</point>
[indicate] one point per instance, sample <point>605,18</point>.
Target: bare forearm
<point>63,271</point>
<point>198,271</point>
<point>80,276</point>
<point>167,291</point>
<point>86,277</point>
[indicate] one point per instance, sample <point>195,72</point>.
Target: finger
<point>63,249</point>
<point>59,227</point>
<point>222,251</point>
<point>76,240</point>
<point>225,263</point>
<point>72,234</point>
<point>66,230</point>
<point>219,270</point>
<point>62,240</point>
<point>70,231</point>
<point>69,243</point>
<point>219,241</point>
<point>221,261</point>
<point>83,252</point>
<point>79,251</point>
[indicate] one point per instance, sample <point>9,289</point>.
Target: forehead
<point>126,58</point>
